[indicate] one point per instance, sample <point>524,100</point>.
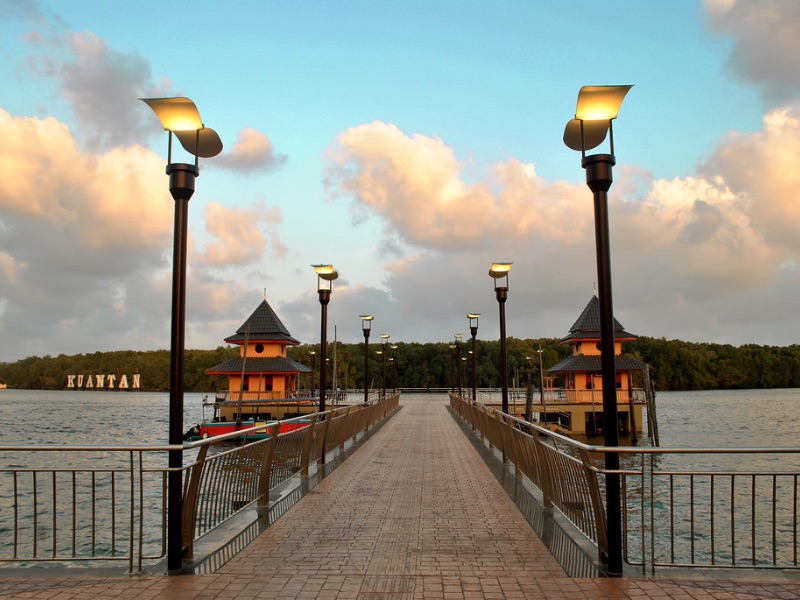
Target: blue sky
<point>410,145</point>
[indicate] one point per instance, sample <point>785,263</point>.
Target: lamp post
<point>179,116</point>
<point>499,272</point>
<point>366,326</point>
<point>313,354</point>
<point>541,383</point>
<point>528,392</point>
<point>384,341</point>
<point>458,337</point>
<point>393,360</point>
<point>473,329</point>
<point>326,275</point>
<point>453,368</point>
<point>597,107</point>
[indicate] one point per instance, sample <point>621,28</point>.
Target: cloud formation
<point>766,47</point>
<point>252,152</point>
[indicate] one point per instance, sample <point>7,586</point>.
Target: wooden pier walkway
<point>413,513</point>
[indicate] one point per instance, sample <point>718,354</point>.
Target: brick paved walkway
<point>413,513</point>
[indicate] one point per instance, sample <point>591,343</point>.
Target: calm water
<point>686,419</point>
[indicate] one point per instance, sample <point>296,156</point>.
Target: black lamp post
<point>596,108</point>
<point>541,383</point>
<point>326,275</point>
<point>453,368</point>
<point>366,326</point>
<point>499,272</point>
<point>180,116</point>
<point>313,369</point>
<point>457,337</point>
<point>393,360</point>
<point>473,329</point>
<point>384,342</point>
<point>528,392</point>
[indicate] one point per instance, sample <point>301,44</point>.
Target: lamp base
<point>181,180</point>
<point>598,171</point>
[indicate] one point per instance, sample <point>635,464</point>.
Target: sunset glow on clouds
<point>333,159</point>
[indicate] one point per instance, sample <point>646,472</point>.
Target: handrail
<point>721,516</point>
<point>70,512</point>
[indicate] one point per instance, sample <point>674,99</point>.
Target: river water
<point>708,419</point>
<point>731,418</point>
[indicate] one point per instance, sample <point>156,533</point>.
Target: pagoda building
<point>262,371</point>
<point>580,401</point>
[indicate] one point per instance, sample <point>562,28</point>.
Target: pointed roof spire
<point>588,325</point>
<point>264,326</point>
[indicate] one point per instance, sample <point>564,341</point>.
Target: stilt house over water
<point>262,371</point>
<point>578,406</point>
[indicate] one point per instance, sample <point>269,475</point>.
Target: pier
<point>414,512</point>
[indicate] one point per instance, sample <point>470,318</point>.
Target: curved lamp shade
<point>181,117</point>
<point>500,269</point>
<point>326,272</point>
<point>597,106</point>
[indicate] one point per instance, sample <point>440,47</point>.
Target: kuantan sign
<point>103,381</point>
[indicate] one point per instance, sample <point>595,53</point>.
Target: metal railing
<point>681,507</point>
<point>88,504</point>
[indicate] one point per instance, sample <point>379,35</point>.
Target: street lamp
<point>326,275</point>
<point>458,337</point>
<point>499,272</point>
<point>393,359</point>
<point>313,354</point>
<point>180,116</point>
<point>366,326</point>
<point>384,341</point>
<point>473,329</point>
<point>453,368</point>
<point>597,107</point>
<point>541,384</point>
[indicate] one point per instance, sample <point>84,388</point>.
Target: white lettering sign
<point>103,381</point>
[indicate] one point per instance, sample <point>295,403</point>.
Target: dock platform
<point>413,513</point>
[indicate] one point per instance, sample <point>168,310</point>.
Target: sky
<point>409,144</point>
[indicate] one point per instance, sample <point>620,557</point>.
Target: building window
<point>259,348</point>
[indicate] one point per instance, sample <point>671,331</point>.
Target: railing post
<point>322,440</point>
<point>266,468</point>
<point>191,497</point>
<point>597,506</point>
<point>305,456</point>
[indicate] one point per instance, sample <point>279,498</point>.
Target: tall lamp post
<point>180,116</point>
<point>457,337</point>
<point>326,275</point>
<point>499,273</point>
<point>366,326</point>
<point>313,369</point>
<point>384,342</point>
<point>473,329</point>
<point>541,383</point>
<point>394,367</point>
<point>597,107</point>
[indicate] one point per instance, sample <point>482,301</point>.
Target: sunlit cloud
<point>414,184</point>
<point>238,234</point>
<point>252,152</point>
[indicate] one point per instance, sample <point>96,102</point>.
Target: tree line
<point>676,365</point>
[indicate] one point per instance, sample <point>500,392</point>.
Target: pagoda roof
<point>256,365</point>
<point>583,363</point>
<point>587,327</point>
<point>262,326</point>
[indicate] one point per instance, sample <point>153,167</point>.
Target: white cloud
<point>252,152</point>
<point>238,234</point>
